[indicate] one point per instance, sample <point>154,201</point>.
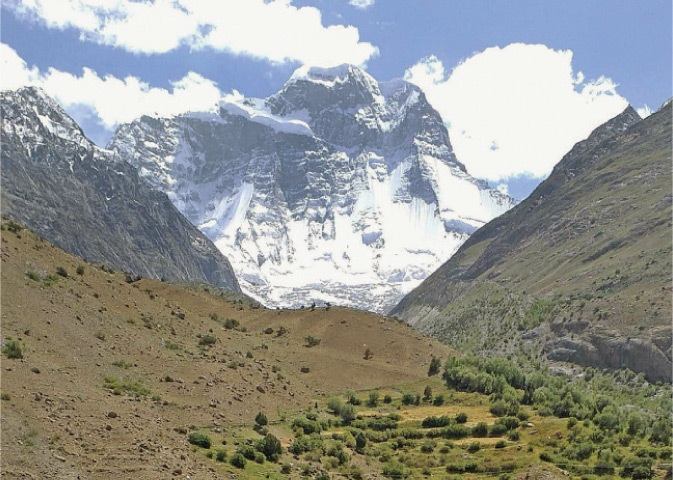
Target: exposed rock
<point>87,201</point>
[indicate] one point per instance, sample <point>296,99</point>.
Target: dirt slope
<point>58,420</point>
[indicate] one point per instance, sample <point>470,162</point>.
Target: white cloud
<point>109,100</point>
<point>273,30</point>
<point>644,111</point>
<point>362,4</point>
<point>15,71</point>
<point>516,110</point>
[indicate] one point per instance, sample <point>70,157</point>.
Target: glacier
<point>337,188</point>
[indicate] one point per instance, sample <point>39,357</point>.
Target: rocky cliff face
<point>87,201</point>
<point>336,189</point>
<point>578,272</point>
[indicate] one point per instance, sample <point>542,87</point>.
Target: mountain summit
<point>337,188</point>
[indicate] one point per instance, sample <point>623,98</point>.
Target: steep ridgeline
<point>580,271</point>
<point>87,201</point>
<point>336,189</point>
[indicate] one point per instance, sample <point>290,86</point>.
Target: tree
<point>435,365</point>
<point>360,441</point>
<point>261,419</point>
<point>427,394</point>
<point>348,414</point>
<point>270,447</point>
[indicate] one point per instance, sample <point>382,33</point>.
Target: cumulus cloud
<point>362,4</point>
<point>108,99</point>
<point>644,111</point>
<point>516,110</point>
<point>273,30</point>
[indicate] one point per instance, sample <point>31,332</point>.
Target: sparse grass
<point>129,387</point>
<point>12,349</point>
<point>207,340</point>
<point>173,346</point>
<point>122,364</point>
<point>33,275</point>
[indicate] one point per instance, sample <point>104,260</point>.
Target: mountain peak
<point>332,75</point>
<point>329,190</point>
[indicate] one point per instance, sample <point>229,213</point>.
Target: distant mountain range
<point>580,271</point>
<point>336,189</point>
<point>89,202</point>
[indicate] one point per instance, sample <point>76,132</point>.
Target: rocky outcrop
<point>90,203</point>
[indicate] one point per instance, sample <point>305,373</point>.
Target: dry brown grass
<point>57,423</point>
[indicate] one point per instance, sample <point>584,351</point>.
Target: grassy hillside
<point>578,272</point>
<point>105,376</point>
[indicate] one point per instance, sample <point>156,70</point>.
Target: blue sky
<point>517,82</point>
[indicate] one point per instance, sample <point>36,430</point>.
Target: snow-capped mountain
<point>90,203</point>
<point>335,189</point>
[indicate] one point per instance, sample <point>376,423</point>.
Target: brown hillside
<point>578,272</point>
<point>58,419</point>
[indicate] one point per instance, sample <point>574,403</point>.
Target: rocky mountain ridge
<point>91,203</point>
<point>578,272</point>
<point>336,189</point>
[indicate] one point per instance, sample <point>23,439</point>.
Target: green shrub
<point>231,324</point>
<point>221,455</point>
<point>348,414</point>
<point>12,349</point>
<point>62,272</point>
<point>509,422</point>
<point>497,429</point>
<point>433,422</point>
<point>461,417</point>
<point>238,461</point>
<point>13,226</point>
<point>500,444</point>
<point>428,446</point>
<point>474,447</point>
<point>335,404</point>
<point>455,431</point>
<point>307,443</point>
<point>480,430</point>
<point>373,400</point>
<point>33,275</point>
<point>394,469</point>
<point>199,439</point>
<point>80,270</point>
<point>438,401</point>
<point>207,340</point>
<point>248,451</point>
<point>270,447</point>
<point>387,399</point>
<point>312,341</point>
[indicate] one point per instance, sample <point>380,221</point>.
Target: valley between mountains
<point>204,298</point>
